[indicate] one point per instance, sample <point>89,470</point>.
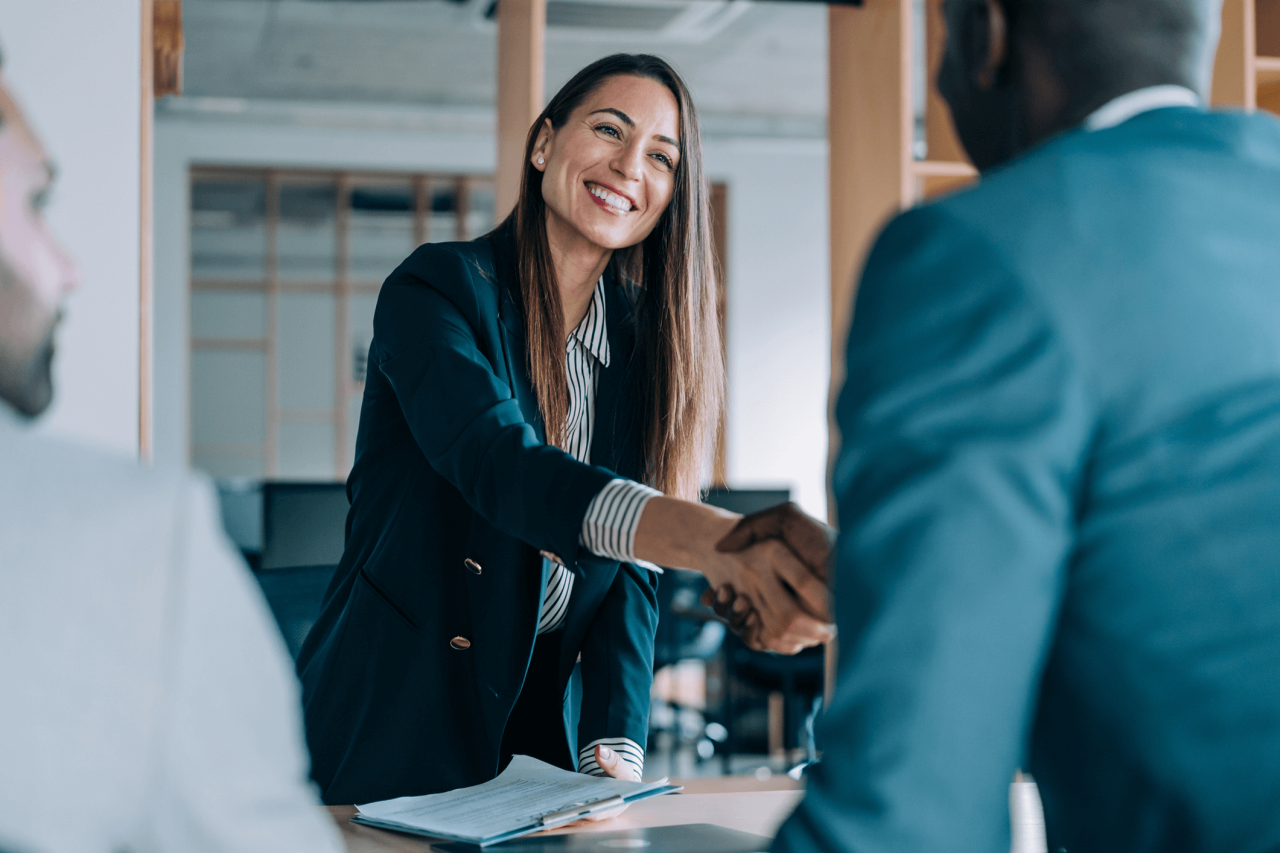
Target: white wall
<point>778,299</point>
<point>779,313</point>
<point>75,66</point>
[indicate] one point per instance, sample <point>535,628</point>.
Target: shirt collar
<point>592,332</point>
<point>1121,109</point>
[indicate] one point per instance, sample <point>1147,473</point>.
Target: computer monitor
<point>303,524</point>
<point>747,501</point>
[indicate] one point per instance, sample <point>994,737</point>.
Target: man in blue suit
<point>1059,489</point>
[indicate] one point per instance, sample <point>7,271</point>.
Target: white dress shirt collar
<point>1121,109</point>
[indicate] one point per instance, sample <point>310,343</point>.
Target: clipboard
<point>529,796</point>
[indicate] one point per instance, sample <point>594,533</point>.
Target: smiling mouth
<point>609,200</point>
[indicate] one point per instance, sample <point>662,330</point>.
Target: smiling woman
<point>604,163</point>
<point>530,396</point>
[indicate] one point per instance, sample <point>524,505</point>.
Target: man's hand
<point>729,606</point>
<point>808,539</point>
<point>782,606</point>
<point>738,614</point>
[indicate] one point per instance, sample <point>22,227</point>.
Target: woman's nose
<point>628,161</point>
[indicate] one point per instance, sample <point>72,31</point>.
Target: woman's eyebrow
<point>630,122</point>
<point>626,119</point>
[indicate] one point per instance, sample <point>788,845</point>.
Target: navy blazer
<point>451,466</point>
<point>1059,495</point>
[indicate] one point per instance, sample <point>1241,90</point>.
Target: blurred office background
<point>316,142</point>
<point>234,234</point>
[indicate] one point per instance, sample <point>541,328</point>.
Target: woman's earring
<point>541,161</point>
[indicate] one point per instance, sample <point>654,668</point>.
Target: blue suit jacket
<point>1059,500</point>
<point>450,466</point>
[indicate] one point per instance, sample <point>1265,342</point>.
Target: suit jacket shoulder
<point>463,272</point>
<point>135,617</point>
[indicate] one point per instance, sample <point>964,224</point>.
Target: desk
<point>759,812</point>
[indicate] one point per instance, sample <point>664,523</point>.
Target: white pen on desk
<point>578,810</point>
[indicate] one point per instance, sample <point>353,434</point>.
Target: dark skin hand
<point>809,539</point>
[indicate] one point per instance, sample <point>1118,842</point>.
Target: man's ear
<point>986,42</point>
<point>542,145</point>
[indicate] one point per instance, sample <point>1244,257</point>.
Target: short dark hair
<point>1088,39</point>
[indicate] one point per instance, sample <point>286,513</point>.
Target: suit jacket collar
<point>613,444</point>
<point>511,318</point>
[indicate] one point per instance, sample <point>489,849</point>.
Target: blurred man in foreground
<point>146,701</point>
<point>1059,489</point>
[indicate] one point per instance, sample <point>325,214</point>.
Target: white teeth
<point>617,202</point>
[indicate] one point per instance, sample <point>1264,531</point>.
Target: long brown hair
<point>679,366</point>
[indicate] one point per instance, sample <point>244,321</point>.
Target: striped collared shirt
<point>609,527</point>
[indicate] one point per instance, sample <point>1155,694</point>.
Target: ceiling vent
<point>670,21</point>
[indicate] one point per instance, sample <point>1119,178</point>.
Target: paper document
<point>528,796</point>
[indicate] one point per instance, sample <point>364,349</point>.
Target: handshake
<point>793,612</point>
<point>768,571</point>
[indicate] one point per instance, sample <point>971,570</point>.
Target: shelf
<point>943,169</point>
<point>1268,70</point>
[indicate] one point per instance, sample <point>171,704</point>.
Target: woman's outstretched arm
<point>472,431</point>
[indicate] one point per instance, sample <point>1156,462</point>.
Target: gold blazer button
<point>460,643</point>
<point>472,566</point>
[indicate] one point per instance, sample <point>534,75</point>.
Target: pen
<point>576,811</point>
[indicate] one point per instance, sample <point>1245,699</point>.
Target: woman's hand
<point>788,598</point>
<point>612,765</point>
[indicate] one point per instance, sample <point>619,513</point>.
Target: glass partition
<point>285,272</point>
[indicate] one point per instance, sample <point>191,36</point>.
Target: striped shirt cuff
<point>631,754</point>
<point>609,527</point>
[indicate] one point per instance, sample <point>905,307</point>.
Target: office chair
<point>303,533</point>
<point>295,595</point>
<point>799,680</point>
<point>303,524</point>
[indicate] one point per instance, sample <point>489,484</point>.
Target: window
<point>285,272</point>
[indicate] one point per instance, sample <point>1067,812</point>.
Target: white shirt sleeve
<point>232,768</point>
<point>609,527</point>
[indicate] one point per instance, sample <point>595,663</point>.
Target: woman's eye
<point>609,129</point>
<point>664,160</point>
